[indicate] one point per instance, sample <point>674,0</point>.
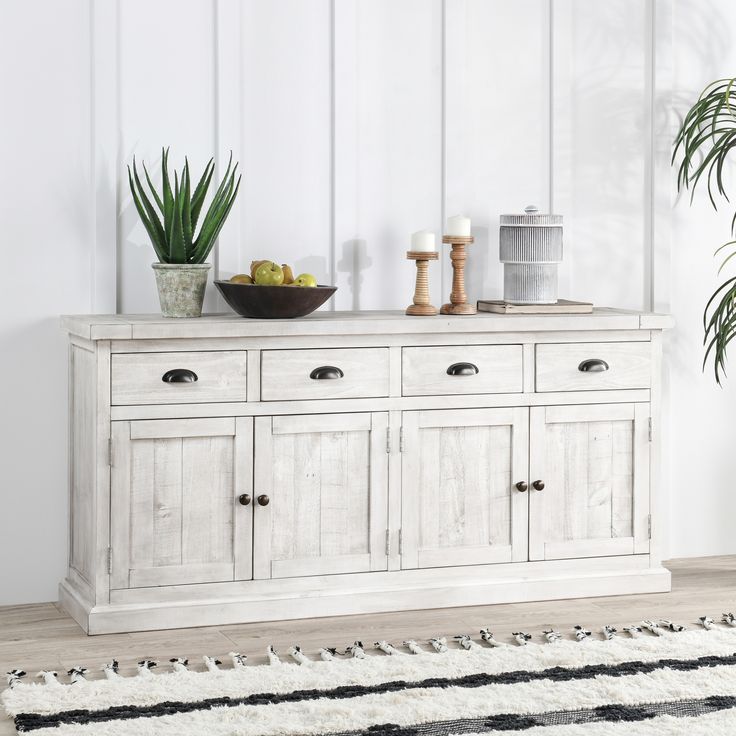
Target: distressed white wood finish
<point>424,370</point>
<point>629,366</point>
<point>376,501</point>
<point>327,479</point>
<point>82,457</point>
<point>347,324</point>
<point>137,379</point>
<point>285,374</point>
<point>405,403</point>
<point>459,502</point>
<point>174,496</point>
<point>594,463</point>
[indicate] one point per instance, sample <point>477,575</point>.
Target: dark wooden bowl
<point>274,302</point>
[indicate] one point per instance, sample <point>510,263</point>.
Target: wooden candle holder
<point>458,298</point>
<point>421,306</point>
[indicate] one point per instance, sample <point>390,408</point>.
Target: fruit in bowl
<point>269,274</point>
<point>305,279</point>
<point>288,274</point>
<point>260,294</point>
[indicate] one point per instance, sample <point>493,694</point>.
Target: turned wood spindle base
<point>458,298</point>
<point>421,306</point>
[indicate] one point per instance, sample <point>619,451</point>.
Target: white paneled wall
<point>355,122</point>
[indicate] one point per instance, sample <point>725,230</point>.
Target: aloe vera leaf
<point>157,246</point>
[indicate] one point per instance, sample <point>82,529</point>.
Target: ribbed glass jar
<point>530,249</point>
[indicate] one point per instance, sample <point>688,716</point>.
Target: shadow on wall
<point>317,266</point>
<point>703,49</point>
<point>482,270</point>
<point>702,461</point>
<point>353,261</point>
<point>602,149</point>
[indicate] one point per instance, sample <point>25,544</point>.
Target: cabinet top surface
<point>148,326</point>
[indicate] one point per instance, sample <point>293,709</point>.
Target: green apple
<point>305,279</point>
<point>269,274</point>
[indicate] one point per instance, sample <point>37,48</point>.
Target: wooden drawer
<point>491,369</point>
<point>138,378</point>
<point>610,365</point>
<point>295,374</point>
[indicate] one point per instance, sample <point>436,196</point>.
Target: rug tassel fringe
<point>661,627</point>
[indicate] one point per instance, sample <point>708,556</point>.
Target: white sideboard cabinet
<point>226,470</point>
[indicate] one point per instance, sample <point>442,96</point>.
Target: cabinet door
<point>459,503</point>
<point>326,480</point>
<point>175,515</point>
<point>594,464</point>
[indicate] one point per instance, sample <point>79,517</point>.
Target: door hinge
<point>401,439</point>
<point>650,429</point>
<point>388,542</point>
<point>388,440</point>
<point>401,541</point>
<point>649,526</point>
<point>109,452</point>
<point>109,560</point>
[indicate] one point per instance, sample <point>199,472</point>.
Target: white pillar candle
<point>458,225</point>
<point>423,241</point>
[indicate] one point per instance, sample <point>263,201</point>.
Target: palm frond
<point>705,142</point>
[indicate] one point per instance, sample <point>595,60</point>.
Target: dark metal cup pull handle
<point>462,369</point>
<point>179,375</point>
<point>326,372</point>
<point>593,365</point>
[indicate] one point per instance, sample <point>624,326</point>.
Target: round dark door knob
<point>244,498</point>
<point>522,486</point>
<point>263,500</point>
<point>538,485</point>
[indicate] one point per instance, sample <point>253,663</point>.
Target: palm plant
<point>173,237</point>
<point>705,139</point>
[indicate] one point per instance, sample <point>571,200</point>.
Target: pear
<point>254,266</point>
<point>241,278</point>
<point>288,273</point>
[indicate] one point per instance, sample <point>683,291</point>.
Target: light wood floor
<point>42,636</point>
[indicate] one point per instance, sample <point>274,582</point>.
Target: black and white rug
<point>660,681</point>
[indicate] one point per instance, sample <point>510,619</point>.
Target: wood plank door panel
<point>594,463</point>
<point>460,504</point>
<point>175,516</point>
<point>326,477</point>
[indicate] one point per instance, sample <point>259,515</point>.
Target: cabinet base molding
<point>397,591</point>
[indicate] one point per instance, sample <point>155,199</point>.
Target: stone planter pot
<point>181,288</point>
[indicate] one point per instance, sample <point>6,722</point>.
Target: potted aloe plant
<point>171,223</point>
<point>705,141</point>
